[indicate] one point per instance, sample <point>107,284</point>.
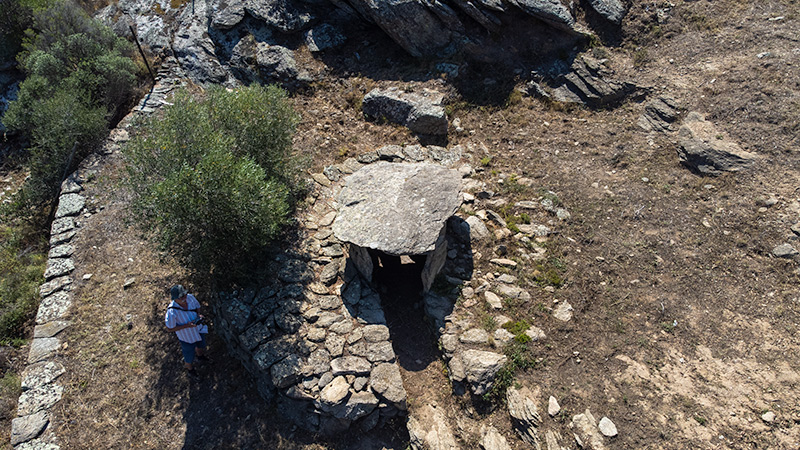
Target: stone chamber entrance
<point>398,280</point>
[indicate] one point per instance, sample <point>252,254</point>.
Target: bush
<point>78,77</point>
<point>22,263</point>
<point>197,185</point>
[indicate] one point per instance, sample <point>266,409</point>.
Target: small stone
<point>493,300</point>
<point>784,251</point>
<point>87,276</point>
<point>504,262</point>
<point>563,312</point>
<point>607,427</point>
<point>768,417</point>
<point>553,407</point>
<point>796,228</point>
<point>128,283</point>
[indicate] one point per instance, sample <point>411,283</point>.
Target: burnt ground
<point>685,325</point>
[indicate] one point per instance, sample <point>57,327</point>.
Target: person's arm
<point>170,322</point>
<point>181,327</point>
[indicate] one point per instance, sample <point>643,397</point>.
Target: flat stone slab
<point>70,205</point>
<point>398,209</point>
<point>53,307</point>
<point>57,267</point>
<point>49,329</point>
<point>54,285</point>
<point>61,251</point>
<point>40,374</point>
<point>25,428</point>
<point>62,225</point>
<point>43,348</point>
<point>39,399</point>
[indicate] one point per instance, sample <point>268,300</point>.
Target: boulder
<point>276,62</point>
<point>703,148</point>
<point>524,414</point>
<point>284,15</point>
<point>196,53</point>
<point>421,112</point>
<point>553,12</point>
<point>399,209</point>
<point>611,10</point>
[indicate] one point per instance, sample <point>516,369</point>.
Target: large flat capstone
<point>398,209</point>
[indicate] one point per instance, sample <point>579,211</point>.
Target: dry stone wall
<point>41,391</point>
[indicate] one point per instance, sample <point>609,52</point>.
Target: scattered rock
<point>553,408</point>
<point>586,431</point>
<point>784,251</point>
<point>768,417</point>
<point>504,262</point>
<point>493,300</point>
<point>477,229</point>
<point>607,427</point>
<point>563,311</point>
<point>703,148</point>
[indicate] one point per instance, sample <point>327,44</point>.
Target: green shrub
<point>78,78</point>
<point>196,184</point>
<point>22,263</point>
<point>14,19</point>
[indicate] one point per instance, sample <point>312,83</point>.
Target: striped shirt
<point>178,315</point>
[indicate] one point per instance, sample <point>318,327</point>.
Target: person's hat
<point>177,291</point>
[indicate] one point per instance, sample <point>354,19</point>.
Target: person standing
<point>183,319</point>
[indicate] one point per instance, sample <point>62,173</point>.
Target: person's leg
<point>200,347</point>
<point>188,351</point>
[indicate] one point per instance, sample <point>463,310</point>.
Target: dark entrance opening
<point>398,279</point>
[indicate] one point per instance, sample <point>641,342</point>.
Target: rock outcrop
<point>703,148</point>
<point>591,83</point>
